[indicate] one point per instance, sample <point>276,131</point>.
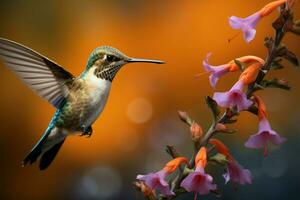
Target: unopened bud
<point>196,131</point>
<point>183,116</point>
<point>283,82</point>
<point>220,127</point>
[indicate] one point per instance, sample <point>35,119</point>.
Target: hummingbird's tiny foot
<point>86,131</point>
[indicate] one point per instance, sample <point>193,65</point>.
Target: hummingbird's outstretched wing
<point>45,77</point>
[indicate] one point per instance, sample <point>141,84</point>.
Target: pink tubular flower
<point>216,71</point>
<point>235,172</point>
<point>198,181</point>
<point>220,70</point>
<point>157,180</point>
<point>265,134</point>
<point>248,24</point>
<point>234,97</point>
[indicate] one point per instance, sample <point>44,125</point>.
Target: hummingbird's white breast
<point>98,91</point>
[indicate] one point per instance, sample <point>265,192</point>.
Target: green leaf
<point>292,58</point>
<point>219,158</point>
<point>240,64</point>
<point>212,104</point>
<point>230,121</point>
<point>228,131</point>
<point>276,64</point>
<point>253,109</point>
<point>283,52</point>
<point>275,83</point>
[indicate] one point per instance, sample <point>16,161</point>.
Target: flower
<point>234,97</point>
<point>157,180</point>
<point>235,172</point>
<point>216,71</point>
<point>265,134</point>
<point>248,24</point>
<point>221,70</point>
<point>198,181</point>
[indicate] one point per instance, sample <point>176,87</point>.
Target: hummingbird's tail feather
<point>46,148</point>
<point>36,151</point>
<point>49,155</point>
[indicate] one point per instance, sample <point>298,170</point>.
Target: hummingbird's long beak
<point>130,60</point>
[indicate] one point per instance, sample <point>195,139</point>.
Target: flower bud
<point>220,127</point>
<point>283,82</point>
<point>196,131</point>
<point>183,116</point>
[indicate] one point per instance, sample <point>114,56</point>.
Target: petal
<point>249,35</point>
<point>276,139</point>
<point>188,182</point>
<point>247,25</point>
<point>256,141</point>
<point>243,103</point>
<point>207,185</point>
<point>166,191</point>
<point>235,22</point>
<point>264,125</point>
<point>222,99</point>
<point>226,176</point>
<point>238,173</point>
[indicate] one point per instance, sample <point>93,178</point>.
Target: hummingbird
<point>78,100</point>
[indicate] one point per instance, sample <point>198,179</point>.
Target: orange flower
<point>221,148</point>
<point>269,8</point>
<point>201,158</point>
<point>262,111</point>
<point>171,166</point>
<point>249,75</point>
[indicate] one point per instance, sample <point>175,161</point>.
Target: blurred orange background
<point>140,117</point>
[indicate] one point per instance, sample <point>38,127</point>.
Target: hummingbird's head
<point>106,61</point>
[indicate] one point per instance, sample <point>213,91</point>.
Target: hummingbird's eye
<point>111,58</point>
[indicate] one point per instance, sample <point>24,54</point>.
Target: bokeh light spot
<point>100,182</point>
<point>139,110</point>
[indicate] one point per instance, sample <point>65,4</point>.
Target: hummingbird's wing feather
<point>45,77</point>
